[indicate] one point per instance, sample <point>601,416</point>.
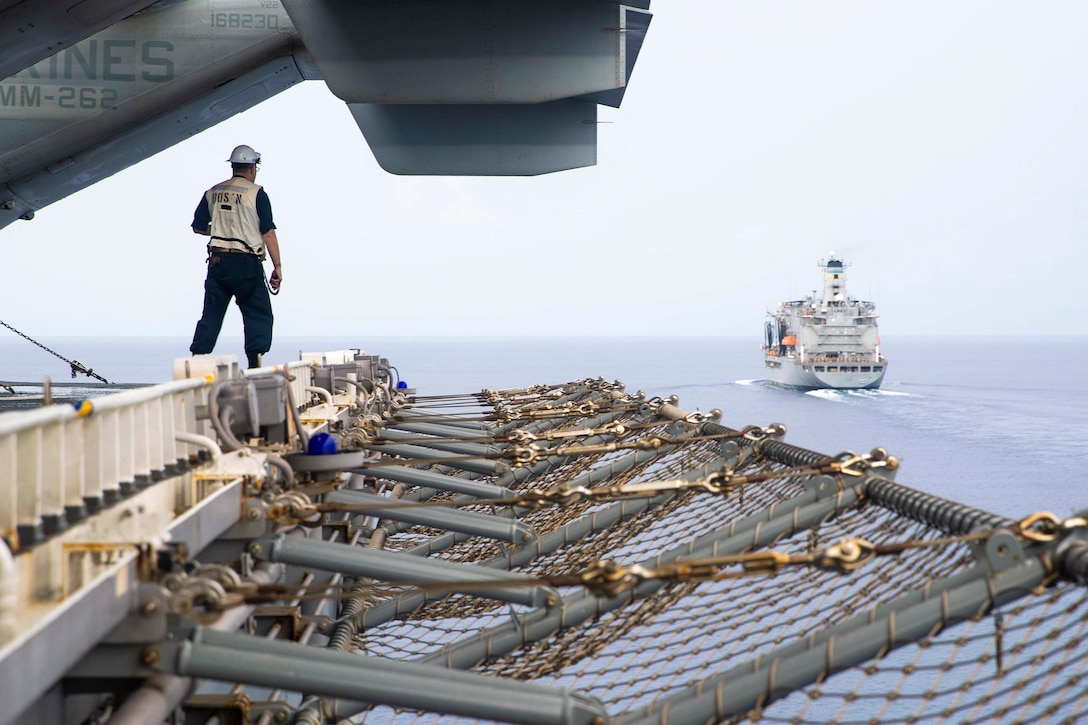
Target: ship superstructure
<point>830,341</point>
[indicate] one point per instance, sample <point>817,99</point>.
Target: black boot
<point>254,359</point>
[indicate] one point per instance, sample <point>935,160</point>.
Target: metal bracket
<point>344,525</point>
<point>678,428</point>
<point>321,622</point>
<point>288,618</point>
<point>1001,551</point>
<point>229,709</point>
<point>252,524</point>
<point>823,485</point>
<point>730,452</point>
<point>147,621</point>
<point>107,664</point>
<point>277,710</point>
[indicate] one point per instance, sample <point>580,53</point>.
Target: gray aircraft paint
<point>526,105</point>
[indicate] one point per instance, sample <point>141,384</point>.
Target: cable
<point>75,365</point>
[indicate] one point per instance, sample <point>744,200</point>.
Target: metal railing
<point>61,462</point>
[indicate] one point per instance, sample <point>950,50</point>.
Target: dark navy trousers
<point>240,276</point>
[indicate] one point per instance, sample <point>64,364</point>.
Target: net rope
<point>1023,662</point>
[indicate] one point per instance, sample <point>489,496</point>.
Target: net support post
<point>399,567</point>
<point>450,519</point>
<point>235,657</point>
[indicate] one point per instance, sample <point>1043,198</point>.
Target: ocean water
<point>997,423</point>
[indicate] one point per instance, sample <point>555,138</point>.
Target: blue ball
<point>401,385</point>
<point>321,444</point>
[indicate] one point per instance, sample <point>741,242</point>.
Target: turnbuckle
<point>719,482</point>
<point>568,495</point>
<point>609,579</point>
<point>849,463</point>
<point>697,417</point>
<point>526,455</point>
<point>846,556</point>
<point>619,430</point>
<point>756,433</point>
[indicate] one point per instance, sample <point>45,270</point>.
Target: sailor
<point>237,215</point>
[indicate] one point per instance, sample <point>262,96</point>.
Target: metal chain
<point>75,365</point>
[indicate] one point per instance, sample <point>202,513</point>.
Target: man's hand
<point>276,278</point>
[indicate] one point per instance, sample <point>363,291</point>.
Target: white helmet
<point>244,155</point>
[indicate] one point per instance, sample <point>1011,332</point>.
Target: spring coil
<point>952,518</point>
<point>346,625</point>
<point>775,450</point>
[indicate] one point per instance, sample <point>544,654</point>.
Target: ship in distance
<point>828,341</point>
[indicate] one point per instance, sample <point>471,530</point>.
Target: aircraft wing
<point>439,87</point>
<point>34,29</point>
<point>448,101</point>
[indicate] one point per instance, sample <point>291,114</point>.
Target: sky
<point>939,148</point>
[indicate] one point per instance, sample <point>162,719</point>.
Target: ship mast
<point>834,281</point>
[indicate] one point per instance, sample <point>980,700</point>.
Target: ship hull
<point>791,373</point>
